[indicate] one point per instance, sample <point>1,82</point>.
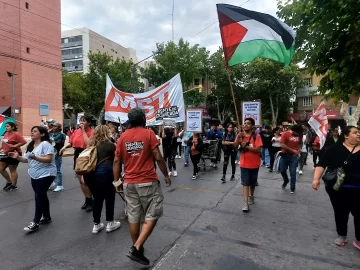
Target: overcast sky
<point>141,23</point>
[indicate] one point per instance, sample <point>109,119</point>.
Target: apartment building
<point>308,99</point>
<point>76,45</point>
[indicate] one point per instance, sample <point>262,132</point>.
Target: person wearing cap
<point>58,139</point>
<point>79,141</point>
<point>138,147</point>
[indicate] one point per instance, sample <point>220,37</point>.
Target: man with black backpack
<point>250,147</point>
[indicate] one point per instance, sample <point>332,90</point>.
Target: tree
<point>327,41</point>
<point>87,92</point>
<point>190,61</point>
<point>220,102</point>
<point>273,84</point>
<point>193,98</point>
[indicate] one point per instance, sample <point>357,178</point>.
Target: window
<point>66,40</point>
<point>27,5</point>
<point>27,49</point>
<point>308,82</point>
<point>307,101</point>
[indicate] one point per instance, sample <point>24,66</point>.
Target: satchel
<point>330,176</point>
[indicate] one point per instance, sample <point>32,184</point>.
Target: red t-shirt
<point>316,144</point>
<point>77,138</point>
<point>294,142</point>
<point>249,159</point>
<point>135,146</point>
<point>12,138</point>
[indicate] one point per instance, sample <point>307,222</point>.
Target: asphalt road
<point>202,228</point>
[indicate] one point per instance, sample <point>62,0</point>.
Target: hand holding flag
<point>319,123</point>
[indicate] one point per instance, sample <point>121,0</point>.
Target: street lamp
<point>133,70</point>
<point>10,74</point>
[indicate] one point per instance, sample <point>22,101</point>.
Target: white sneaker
<point>170,173</point>
<point>113,226</point>
<point>176,156</point>
<point>301,172</point>
<point>53,185</point>
<point>58,188</point>
<point>98,228</point>
<point>179,157</point>
<point>175,173</point>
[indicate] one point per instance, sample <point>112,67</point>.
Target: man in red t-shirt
<point>290,144</point>
<point>250,148</point>
<point>138,147</point>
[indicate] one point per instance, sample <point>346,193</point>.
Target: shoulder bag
<point>330,176</point>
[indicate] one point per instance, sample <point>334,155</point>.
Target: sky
<point>140,24</point>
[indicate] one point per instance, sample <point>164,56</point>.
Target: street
<point>202,227</point>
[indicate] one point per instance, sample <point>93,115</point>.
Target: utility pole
<point>172,15</point>
<point>13,103</point>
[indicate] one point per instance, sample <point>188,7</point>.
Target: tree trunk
<point>101,115</point>
<point>277,110</point>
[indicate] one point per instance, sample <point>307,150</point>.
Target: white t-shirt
<point>39,169</point>
<point>276,142</point>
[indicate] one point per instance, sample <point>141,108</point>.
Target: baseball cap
<point>51,121</point>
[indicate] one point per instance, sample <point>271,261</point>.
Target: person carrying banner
<point>137,147</point>
<point>11,141</point>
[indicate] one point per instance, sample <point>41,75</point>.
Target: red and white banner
<point>319,122</point>
<point>166,101</point>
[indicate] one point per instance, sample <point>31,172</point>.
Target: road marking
<point>173,256</point>
<point>3,212</point>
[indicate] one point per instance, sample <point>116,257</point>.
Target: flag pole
<point>233,96</point>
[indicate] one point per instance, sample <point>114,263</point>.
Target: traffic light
<point>200,88</point>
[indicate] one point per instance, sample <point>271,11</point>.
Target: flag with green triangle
<point>247,35</point>
<point>3,120</point>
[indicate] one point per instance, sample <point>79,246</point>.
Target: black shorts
<point>77,152</point>
<point>9,161</point>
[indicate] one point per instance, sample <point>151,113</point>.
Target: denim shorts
<point>249,176</point>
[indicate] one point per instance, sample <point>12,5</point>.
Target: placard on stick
<point>251,109</point>
<point>168,112</point>
<point>193,120</point>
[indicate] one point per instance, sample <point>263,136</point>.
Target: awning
<point>5,110</point>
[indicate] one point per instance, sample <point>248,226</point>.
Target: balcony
<point>72,57</point>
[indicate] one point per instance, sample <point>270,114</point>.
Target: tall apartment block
<point>76,45</point>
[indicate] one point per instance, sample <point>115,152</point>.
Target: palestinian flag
<point>247,35</point>
<point>3,120</point>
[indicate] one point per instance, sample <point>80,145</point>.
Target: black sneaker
<point>44,220</point>
<point>232,178</point>
<point>32,227</point>
<point>223,178</point>
<point>7,186</point>
<point>84,206</point>
<point>270,170</point>
<point>12,187</point>
<point>292,190</point>
<point>284,185</point>
<point>137,256</point>
<point>89,208</point>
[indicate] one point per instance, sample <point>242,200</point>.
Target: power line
<point>213,23</point>
<point>34,54</point>
<point>30,61</point>
<point>61,24</point>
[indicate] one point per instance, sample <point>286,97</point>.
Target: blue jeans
<point>265,156</point>
<point>187,154</point>
<point>291,163</point>
<point>58,162</point>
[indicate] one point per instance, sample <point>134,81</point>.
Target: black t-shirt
<point>170,141</point>
<point>229,137</point>
<point>106,150</point>
<point>266,139</point>
<point>335,156</point>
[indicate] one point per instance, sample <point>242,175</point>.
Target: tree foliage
<point>86,92</point>
<point>328,41</point>
<point>273,84</point>
<point>190,61</point>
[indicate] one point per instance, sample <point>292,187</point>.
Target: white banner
<point>319,123</point>
<point>169,95</point>
<point>252,109</point>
